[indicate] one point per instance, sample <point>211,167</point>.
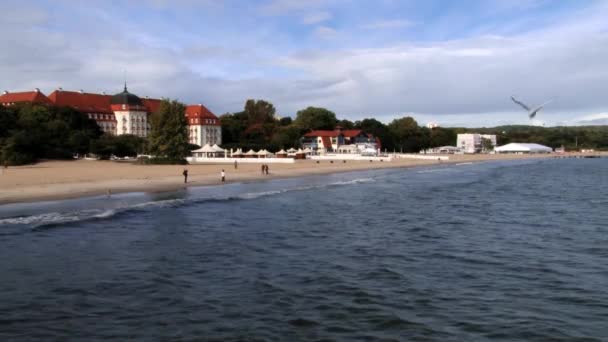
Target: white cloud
<point>457,82</point>
<point>316,17</point>
<point>325,32</point>
<point>388,24</point>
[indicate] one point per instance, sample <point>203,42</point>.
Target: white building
<point>204,127</point>
<point>123,113</point>
<point>523,148</point>
<point>473,142</point>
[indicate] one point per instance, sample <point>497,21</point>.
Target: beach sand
<point>69,179</point>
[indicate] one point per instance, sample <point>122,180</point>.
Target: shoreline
<point>60,180</point>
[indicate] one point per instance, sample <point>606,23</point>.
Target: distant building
<point>523,148</point>
<point>123,113</point>
<point>432,125</point>
<point>442,150</point>
<point>473,142</point>
<point>350,141</point>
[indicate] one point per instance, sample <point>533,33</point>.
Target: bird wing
<point>520,103</point>
<point>533,113</point>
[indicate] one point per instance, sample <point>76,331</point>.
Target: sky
<point>455,63</point>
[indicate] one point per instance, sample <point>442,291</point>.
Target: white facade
<point>205,134</point>
<point>472,142</point>
<point>132,122</point>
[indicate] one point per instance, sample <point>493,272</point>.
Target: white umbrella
<point>250,153</point>
<point>216,148</point>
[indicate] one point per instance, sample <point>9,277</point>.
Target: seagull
<point>531,113</point>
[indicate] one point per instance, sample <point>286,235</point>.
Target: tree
<point>29,132</point>
<point>440,136</point>
<point>406,134</point>
<point>313,118</point>
<point>259,111</point>
<point>346,124</point>
<point>286,121</point>
<point>169,136</point>
<point>486,145</point>
<point>287,137</point>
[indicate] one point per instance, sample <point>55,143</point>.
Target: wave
<point>52,219</point>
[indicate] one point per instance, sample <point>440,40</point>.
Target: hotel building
<point>340,141</point>
<point>122,113</point>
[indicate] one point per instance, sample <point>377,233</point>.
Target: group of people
<point>264,169</point>
<point>222,175</point>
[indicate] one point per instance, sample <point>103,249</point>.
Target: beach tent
<point>251,154</point>
<point>203,152</point>
<point>237,154</point>
<point>291,150</point>
<point>307,150</point>
<point>523,148</point>
<point>262,153</point>
<point>281,154</point>
<point>217,151</point>
<point>300,154</point>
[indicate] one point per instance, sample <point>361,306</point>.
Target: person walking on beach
<point>263,168</point>
<point>223,175</point>
<point>185,173</point>
<point>266,169</point>
<point>236,165</point>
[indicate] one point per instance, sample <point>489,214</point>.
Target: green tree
<point>287,137</point>
<point>406,135</point>
<point>313,118</point>
<point>486,145</point>
<point>286,121</point>
<point>259,112</point>
<point>346,124</point>
<point>30,132</point>
<point>169,135</point>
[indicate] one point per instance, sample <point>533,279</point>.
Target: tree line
<point>30,132</point>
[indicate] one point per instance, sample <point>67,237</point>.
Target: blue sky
<point>451,62</point>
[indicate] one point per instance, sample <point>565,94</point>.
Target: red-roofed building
<point>340,141</point>
<point>123,113</point>
<point>204,127</point>
<point>9,99</point>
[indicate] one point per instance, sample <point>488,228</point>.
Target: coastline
<point>59,180</point>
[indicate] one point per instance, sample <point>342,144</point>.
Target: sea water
<point>484,251</point>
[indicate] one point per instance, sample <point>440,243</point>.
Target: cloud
<point>325,32</point>
<point>388,24</point>
<point>280,7</point>
<point>463,81</point>
<point>316,17</point>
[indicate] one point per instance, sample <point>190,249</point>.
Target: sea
<point>485,251</point>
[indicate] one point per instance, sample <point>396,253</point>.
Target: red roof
<point>26,96</point>
<point>322,134</point>
<point>350,133</point>
<point>326,142</point>
<point>84,102</point>
<point>153,105</point>
<point>201,113</point>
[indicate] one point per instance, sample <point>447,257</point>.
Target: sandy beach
<point>69,179</point>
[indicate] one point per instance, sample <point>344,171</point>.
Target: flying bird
<point>531,113</point>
